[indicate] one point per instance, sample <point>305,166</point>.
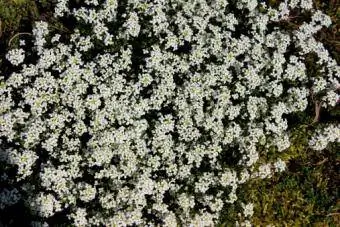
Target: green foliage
<point>306,194</point>
<point>13,12</point>
<point>16,16</point>
<point>302,196</point>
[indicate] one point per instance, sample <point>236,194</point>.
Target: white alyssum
<point>132,25</point>
<point>24,160</point>
<point>279,165</point>
<point>79,217</point>
<point>248,209</point>
<point>40,31</point>
<point>325,135</point>
<point>45,205</point>
<point>16,56</point>
<point>264,171</point>
<point>87,192</point>
<point>156,112</point>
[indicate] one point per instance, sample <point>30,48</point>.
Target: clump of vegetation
<point>307,193</point>
<point>16,16</point>
<point>170,113</point>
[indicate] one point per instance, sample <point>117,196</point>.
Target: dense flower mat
<point>156,112</point>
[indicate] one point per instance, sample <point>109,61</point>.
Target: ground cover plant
<point>134,113</point>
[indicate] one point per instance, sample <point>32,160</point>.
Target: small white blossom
<point>16,56</point>
<point>279,165</point>
<point>248,209</point>
<point>79,217</point>
<point>132,25</point>
<point>323,136</point>
<point>45,205</point>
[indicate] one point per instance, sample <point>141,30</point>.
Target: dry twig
<point>0,27</point>
<point>321,162</point>
<point>332,214</point>
<point>317,111</point>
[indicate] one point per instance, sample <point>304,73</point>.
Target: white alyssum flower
<point>248,209</point>
<point>40,31</point>
<point>264,171</point>
<point>61,8</point>
<point>319,85</point>
<point>24,160</point>
<point>132,25</point>
<point>282,142</point>
<point>16,56</point>
<point>279,165</point>
<point>323,136</point>
<point>158,112</point>
<point>320,17</point>
<point>186,202</point>
<point>330,99</point>
<point>306,4</point>
<point>228,178</point>
<point>45,205</point>
<point>87,192</point>
<point>232,197</point>
<point>79,217</point>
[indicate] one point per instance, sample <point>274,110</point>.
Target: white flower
<point>321,18</point>
<point>186,202</point>
<point>232,197</point>
<point>264,171</point>
<point>256,106</point>
<point>61,8</point>
<point>45,205</point>
<point>170,220</point>
<point>132,25</point>
<point>24,160</point>
<point>228,178</point>
<point>279,165</point>
<point>87,192</point>
<point>323,136</point>
<point>306,4</point>
<point>79,217</point>
<point>16,56</point>
<point>248,209</point>
<point>244,177</point>
<point>40,31</point>
<point>319,85</point>
<point>22,42</point>
<point>330,100</point>
<point>282,142</point>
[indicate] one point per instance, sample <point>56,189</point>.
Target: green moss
<point>16,16</point>
<point>12,12</point>
<point>306,194</point>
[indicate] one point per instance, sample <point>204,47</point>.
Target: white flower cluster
<point>45,205</point>
<point>40,31</point>
<point>158,111</point>
<point>16,56</point>
<point>324,136</point>
<point>268,169</point>
<point>248,209</point>
<point>23,160</point>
